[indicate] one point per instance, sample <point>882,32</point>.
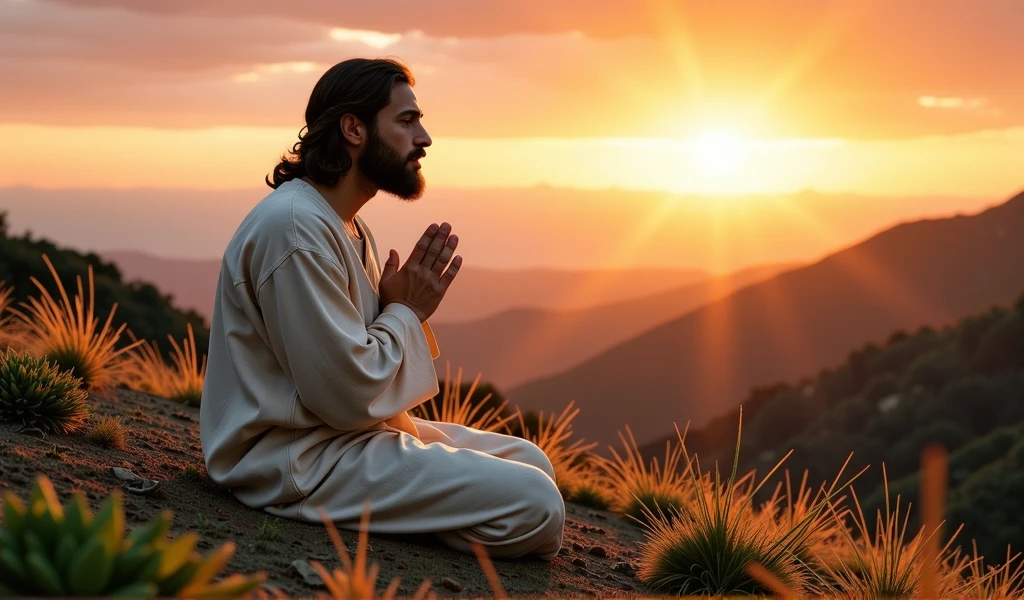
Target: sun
<point>719,152</point>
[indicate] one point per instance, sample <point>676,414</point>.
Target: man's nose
<point>423,140</point>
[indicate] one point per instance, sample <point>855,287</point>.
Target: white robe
<point>304,366</point>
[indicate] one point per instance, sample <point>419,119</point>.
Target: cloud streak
<point>573,68</point>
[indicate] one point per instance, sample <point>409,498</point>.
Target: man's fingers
<point>435,246</point>
<point>420,250</point>
<point>452,271</point>
<point>446,254</point>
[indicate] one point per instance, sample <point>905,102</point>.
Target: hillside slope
<point>929,272</point>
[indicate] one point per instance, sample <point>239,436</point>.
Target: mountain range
<point>522,344</point>
<point>477,294</point>
<point>701,364</point>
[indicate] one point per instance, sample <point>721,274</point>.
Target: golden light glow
<point>975,164</point>
<point>719,153</point>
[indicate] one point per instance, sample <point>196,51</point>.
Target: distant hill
<point>702,364</point>
<point>148,313</point>
<point>191,282</point>
<point>478,294</point>
<point>961,386</point>
<point>523,344</point>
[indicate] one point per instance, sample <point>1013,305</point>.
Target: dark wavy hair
<point>360,86</point>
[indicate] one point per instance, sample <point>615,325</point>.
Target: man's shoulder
<point>288,219</point>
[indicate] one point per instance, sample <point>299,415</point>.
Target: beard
<point>382,165</point>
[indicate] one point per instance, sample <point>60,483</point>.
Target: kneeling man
<point>317,354</point>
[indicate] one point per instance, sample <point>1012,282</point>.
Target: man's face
<point>390,159</point>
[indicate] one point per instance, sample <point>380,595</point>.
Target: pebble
<point>452,585</point>
<point>304,570</point>
<point>579,562</point>
<point>577,546</point>
<point>624,567</point>
<point>598,551</point>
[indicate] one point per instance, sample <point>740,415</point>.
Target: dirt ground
<point>598,557</point>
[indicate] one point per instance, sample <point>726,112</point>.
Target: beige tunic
<point>305,366</point>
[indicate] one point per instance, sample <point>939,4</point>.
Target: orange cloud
<point>502,69</point>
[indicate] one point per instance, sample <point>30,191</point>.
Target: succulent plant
<point>51,550</point>
<point>35,393</point>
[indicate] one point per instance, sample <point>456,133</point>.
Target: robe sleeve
<point>350,375</point>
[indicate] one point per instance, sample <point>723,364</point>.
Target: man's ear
<point>353,129</point>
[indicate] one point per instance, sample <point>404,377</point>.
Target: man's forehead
<point>403,99</point>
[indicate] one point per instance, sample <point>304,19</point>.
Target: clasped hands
<point>420,284</point>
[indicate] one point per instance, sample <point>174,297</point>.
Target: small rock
<point>577,546</point>
<point>624,567</point>
<point>184,416</point>
<point>514,575</point>
<point>450,584</point>
<point>598,551</point>
<point>306,572</point>
<point>389,556</point>
<point>579,562</point>
<point>400,566</point>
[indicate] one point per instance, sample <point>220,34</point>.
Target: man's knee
<point>548,516</point>
<point>533,455</point>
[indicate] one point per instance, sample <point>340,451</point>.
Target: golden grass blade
<point>765,578</point>
<point>339,544</point>
<point>489,571</point>
<point>934,472</point>
<point>421,592</point>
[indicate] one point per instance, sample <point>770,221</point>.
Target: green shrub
<point>51,550</point>
<point>34,393</point>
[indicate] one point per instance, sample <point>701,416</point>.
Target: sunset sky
<point>721,113</point>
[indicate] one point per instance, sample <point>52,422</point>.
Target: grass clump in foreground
<point>709,548</point>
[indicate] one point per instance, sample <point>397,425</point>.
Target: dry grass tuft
<point>883,564</point>
<point>638,488</point>
<point>722,545</point>
<point>454,409</point>
<point>182,381</point>
<point>109,432</point>
<point>570,461</point>
<point>824,537</point>
<point>68,334</point>
<point>1004,581</point>
<point>591,489</point>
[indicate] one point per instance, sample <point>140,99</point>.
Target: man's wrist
<point>410,307</point>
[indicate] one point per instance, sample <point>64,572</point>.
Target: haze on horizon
<point>625,126</point>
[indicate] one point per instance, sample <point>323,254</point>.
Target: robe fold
<point>304,368</point>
